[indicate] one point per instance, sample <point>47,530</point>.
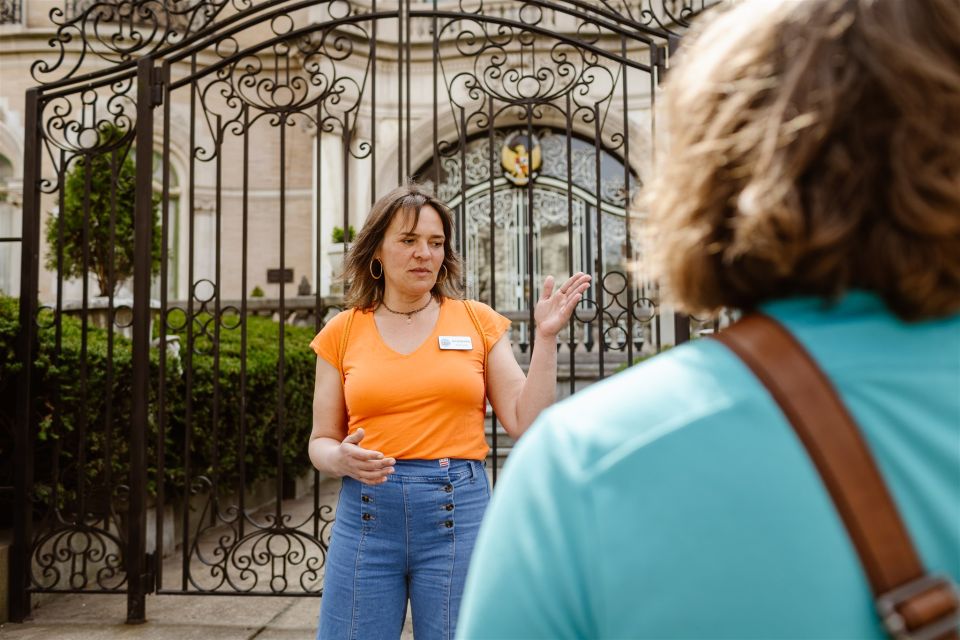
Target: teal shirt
<point>674,500</point>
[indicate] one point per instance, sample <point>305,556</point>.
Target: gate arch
<point>285,107</point>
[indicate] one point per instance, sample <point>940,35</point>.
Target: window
<point>9,228</point>
<point>169,220</point>
<point>565,210</point>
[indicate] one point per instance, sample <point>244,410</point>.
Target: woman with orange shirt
<point>403,376</point>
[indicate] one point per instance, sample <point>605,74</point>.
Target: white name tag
<point>456,343</point>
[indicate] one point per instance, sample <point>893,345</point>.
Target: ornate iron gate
<point>189,153</point>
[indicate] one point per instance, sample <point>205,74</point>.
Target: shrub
<point>337,234</point>
<point>9,326</point>
<point>9,366</point>
<point>84,421</point>
<point>216,449</point>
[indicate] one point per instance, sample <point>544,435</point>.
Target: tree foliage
<point>99,194</point>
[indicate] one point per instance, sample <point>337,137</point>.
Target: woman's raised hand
<point>364,465</point>
<point>554,308</point>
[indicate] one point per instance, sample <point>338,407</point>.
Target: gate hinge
<point>156,90</point>
<point>662,55</point>
<point>660,60</point>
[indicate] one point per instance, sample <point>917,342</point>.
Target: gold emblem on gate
<point>520,158</point>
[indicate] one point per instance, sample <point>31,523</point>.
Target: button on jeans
<point>411,536</point>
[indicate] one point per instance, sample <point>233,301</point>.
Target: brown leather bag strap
<point>912,603</point>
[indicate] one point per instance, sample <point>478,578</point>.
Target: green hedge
<point>8,370</point>
<point>216,446</point>
<point>106,401</point>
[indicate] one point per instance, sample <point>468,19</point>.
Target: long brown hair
<point>366,292</point>
<point>814,147</point>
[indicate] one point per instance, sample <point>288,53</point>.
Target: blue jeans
<point>411,536</point>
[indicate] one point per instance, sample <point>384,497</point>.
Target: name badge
<point>456,343</point>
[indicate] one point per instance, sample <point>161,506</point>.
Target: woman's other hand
<point>364,465</point>
<point>554,308</point>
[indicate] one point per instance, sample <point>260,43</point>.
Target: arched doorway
<point>579,203</point>
<point>565,203</point>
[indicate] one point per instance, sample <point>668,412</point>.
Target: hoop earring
<point>444,278</point>
<point>374,275</point>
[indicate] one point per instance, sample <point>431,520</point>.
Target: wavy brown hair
<point>364,291</point>
<point>814,147</point>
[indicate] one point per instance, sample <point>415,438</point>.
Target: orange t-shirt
<point>428,404</point>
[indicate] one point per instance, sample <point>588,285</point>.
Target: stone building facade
<point>547,188</point>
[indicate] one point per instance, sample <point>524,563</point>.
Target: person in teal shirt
<point>814,175</point>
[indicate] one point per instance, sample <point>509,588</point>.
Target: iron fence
<point>229,136</point>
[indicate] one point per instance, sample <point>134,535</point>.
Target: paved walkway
<point>174,617</point>
<point>101,617</point>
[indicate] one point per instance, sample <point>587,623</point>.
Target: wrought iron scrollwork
<point>240,553</point>
<point>207,318</point>
<point>74,556</point>
<point>510,68</point>
<point>610,318</point>
<point>82,550</point>
<point>97,120</point>
<point>120,31</point>
<point>295,79</point>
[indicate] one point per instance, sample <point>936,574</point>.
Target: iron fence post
<point>26,348</point>
<point>137,575</point>
<point>681,328</point>
<point>681,321</point>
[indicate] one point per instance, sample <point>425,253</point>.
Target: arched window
<point>9,228</point>
<point>170,220</point>
<point>573,204</point>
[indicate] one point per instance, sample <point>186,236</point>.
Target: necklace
<point>409,314</point>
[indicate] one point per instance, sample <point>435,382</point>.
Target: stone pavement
<point>176,617</point>
<point>101,617</point>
